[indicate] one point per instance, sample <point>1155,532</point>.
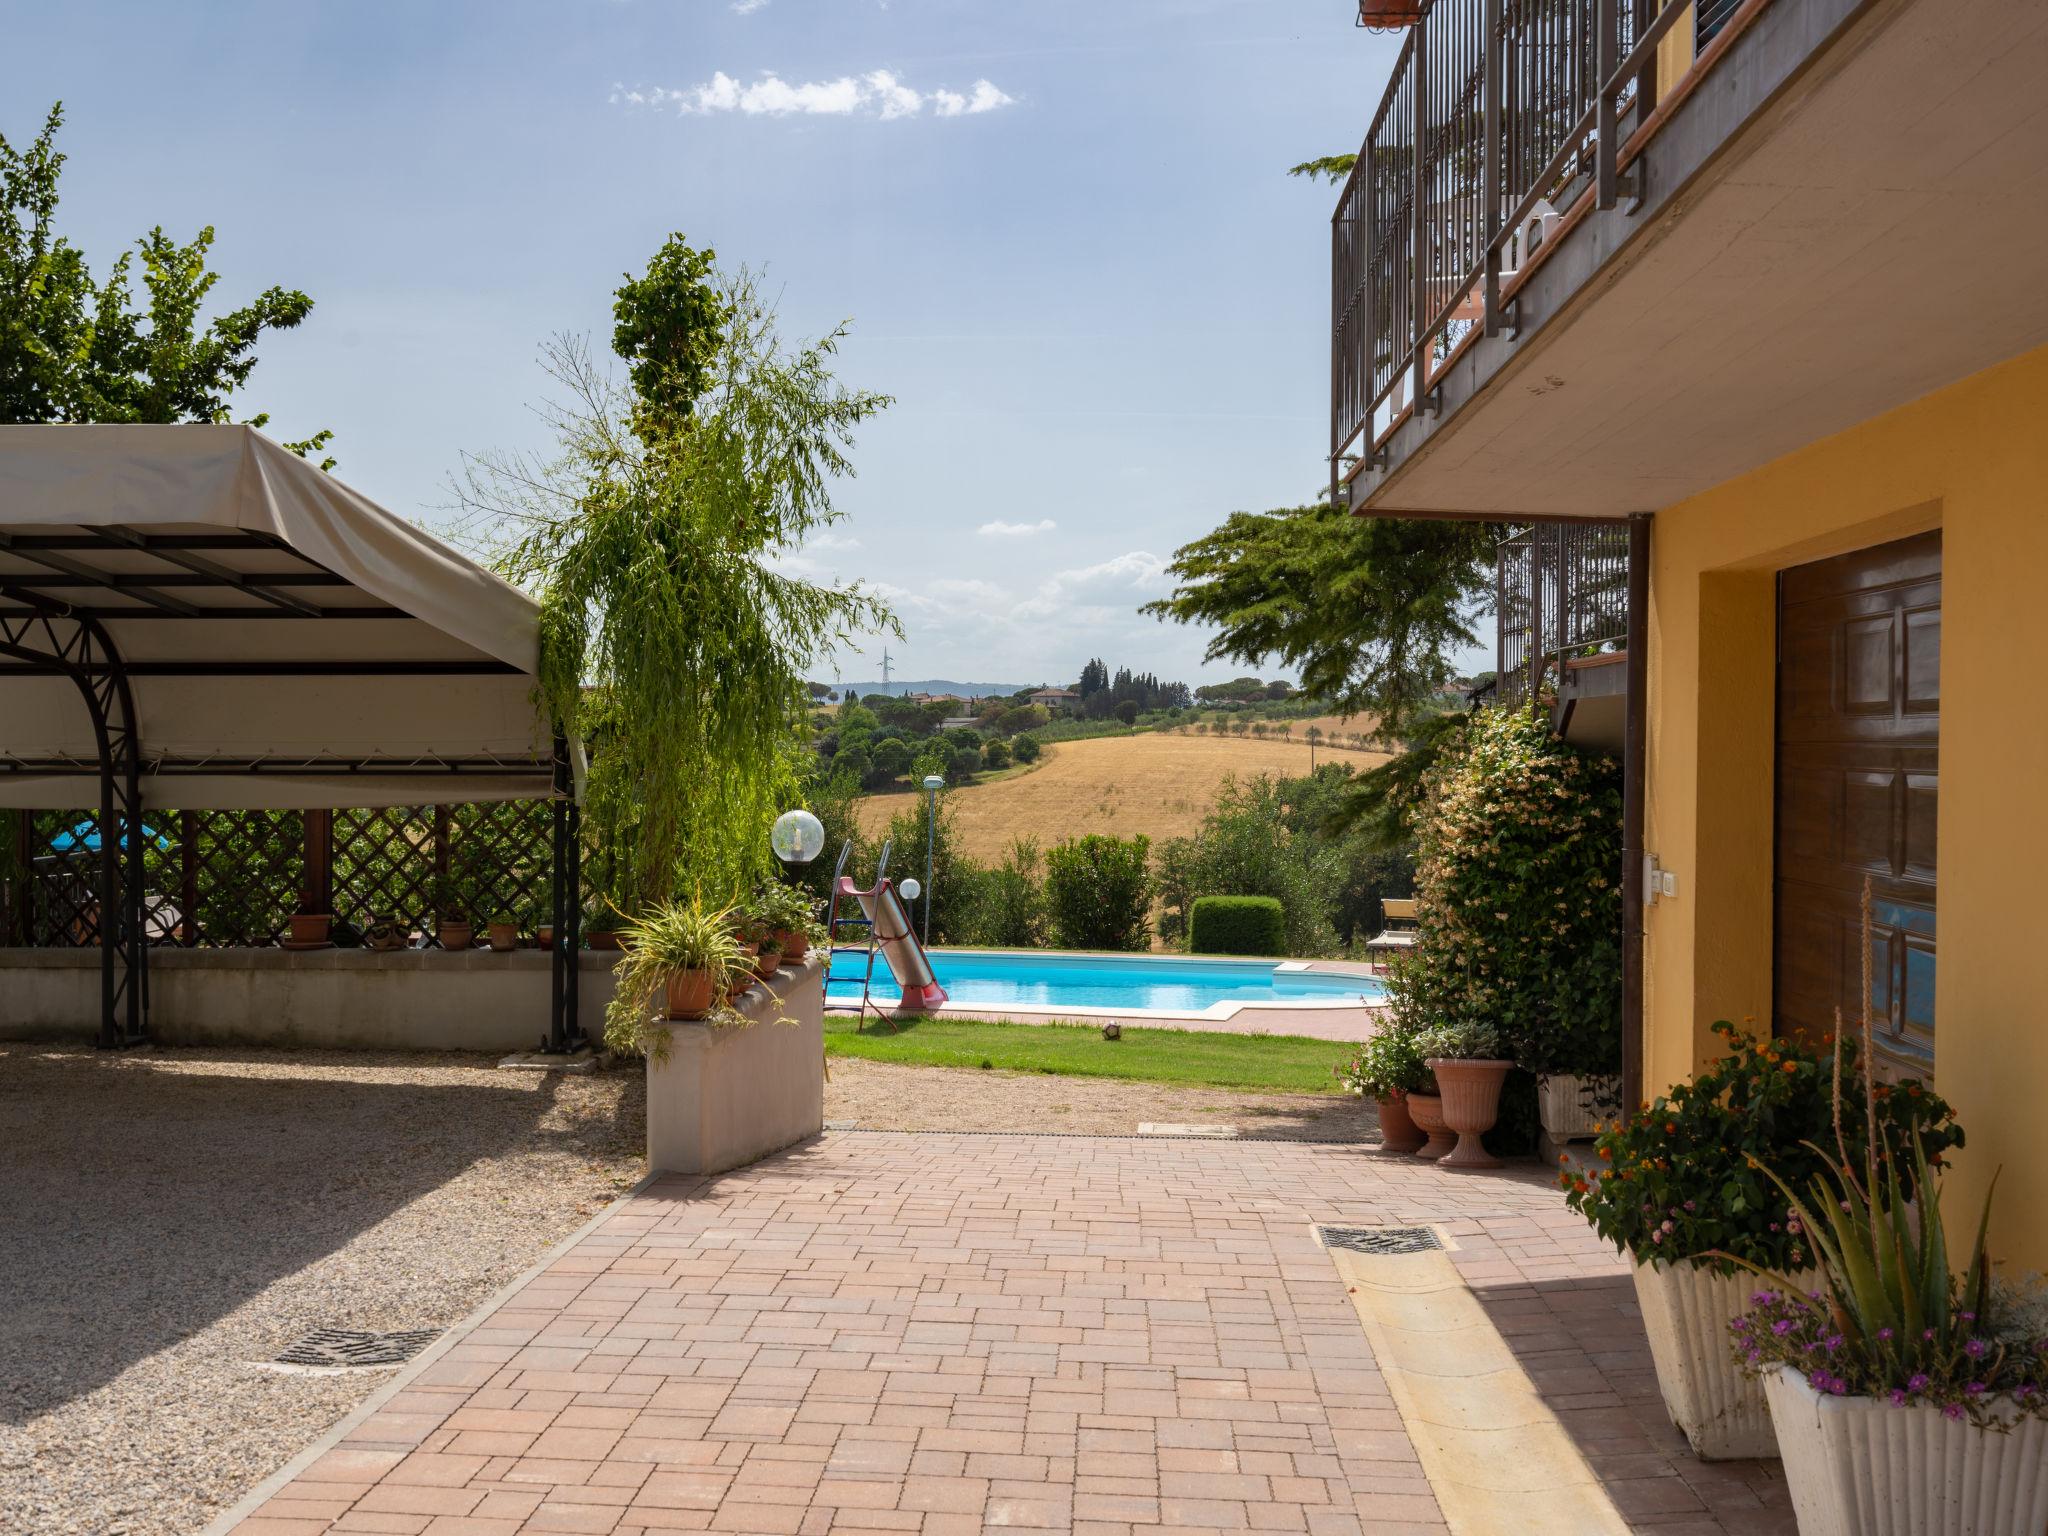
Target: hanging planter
<point>1389,15</point>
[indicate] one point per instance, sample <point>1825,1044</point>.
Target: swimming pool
<point>1120,984</point>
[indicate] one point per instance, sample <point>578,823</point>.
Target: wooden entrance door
<point>1859,724</point>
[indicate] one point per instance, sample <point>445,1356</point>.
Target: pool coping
<point>1217,1012</point>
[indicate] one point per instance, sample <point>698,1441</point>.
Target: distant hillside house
<point>1056,698</point>
<point>937,698</point>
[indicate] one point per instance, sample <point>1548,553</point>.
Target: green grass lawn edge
<point>1191,1058</point>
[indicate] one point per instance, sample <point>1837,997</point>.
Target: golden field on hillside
<point>1160,784</point>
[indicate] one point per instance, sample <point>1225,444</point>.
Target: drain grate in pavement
<point>1381,1239</point>
<point>346,1349</point>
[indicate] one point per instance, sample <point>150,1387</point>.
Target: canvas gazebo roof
<point>192,617</point>
<point>286,641</point>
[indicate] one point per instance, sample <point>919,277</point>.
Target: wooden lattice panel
<point>248,868</point>
<point>502,854</point>
<point>384,863</point>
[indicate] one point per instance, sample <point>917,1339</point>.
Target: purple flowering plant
<point>1684,1178</point>
<point>1891,1319</point>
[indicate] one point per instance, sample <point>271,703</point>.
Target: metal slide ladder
<point>860,919</point>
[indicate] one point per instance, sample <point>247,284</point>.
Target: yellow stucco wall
<point>1973,461</point>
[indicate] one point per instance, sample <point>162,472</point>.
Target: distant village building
<point>937,698</point>
<point>1056,699</point>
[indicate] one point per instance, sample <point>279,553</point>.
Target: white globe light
<point>797,837</point>
<point>911,890</point>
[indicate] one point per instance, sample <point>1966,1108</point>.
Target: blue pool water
<point>1107,981</point>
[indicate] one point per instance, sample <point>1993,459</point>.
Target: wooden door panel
<point>1858,774</point>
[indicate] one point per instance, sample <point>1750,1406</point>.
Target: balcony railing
<point>1561,600</point>
<point>1499,117</point>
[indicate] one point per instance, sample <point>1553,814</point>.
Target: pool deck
<point>1346,1022</point>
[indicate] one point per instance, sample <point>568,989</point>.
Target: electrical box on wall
<point>1659,883</point>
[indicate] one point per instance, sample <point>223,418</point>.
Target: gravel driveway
<point>172,1215</point>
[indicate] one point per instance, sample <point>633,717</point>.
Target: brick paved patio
<point>940,1334</point>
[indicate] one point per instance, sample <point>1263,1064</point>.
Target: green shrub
<point>1012,911</point>
<point>1099,892</point>
<point>1237,925</point>
<point>1248,845</point>
<point>1026,749</point>
<point>1518,865</point>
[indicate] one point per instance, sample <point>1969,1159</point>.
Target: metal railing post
<point>1368,254</point>
<point>1490,166</point>
<point>1418,320</point>
<point>1607,150</point>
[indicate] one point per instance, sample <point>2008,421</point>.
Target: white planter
<point>1857,1466</point>
<point>1573,1108</point>
<point>722,1096</point>
<point>1686,1312</point>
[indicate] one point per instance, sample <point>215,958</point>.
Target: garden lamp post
<point>933,783</point>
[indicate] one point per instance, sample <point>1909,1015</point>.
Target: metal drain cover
<point>1381,1239</point>
<point>353,1349</point>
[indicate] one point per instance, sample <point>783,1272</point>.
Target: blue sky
<point>1060,229</point>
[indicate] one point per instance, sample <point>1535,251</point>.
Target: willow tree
<point>673,640</point>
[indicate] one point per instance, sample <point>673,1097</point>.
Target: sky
<point>1061,231</point>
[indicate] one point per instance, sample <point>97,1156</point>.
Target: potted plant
<point>503,932</point>
<point>767,956</point>
<point>685,951</point>
<point>785,910</point>
<point>453,927</point>
<point>602,925</point>
<point>1575,1105</point>
<point>1466,1060</point>
<point>385,932</point>
<point>1677,1188</point>
<point>310,929</point>
<point>1907,1400</point>
<point>1387,1069</point>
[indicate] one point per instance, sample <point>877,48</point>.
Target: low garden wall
<point>724,1095</point>
<point>406,1000</point>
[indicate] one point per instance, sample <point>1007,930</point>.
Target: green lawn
<point>1274,1063</point>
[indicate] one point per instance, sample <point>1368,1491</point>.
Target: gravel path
<point>880,1095</point>
<point>172,1215</point>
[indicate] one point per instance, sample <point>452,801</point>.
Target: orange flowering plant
<point>1680,1180</point>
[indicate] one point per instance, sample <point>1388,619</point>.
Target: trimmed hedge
<point>1237,925</point>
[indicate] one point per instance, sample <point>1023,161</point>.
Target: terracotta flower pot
<point>544,936</point>
<point>310,927</point>
<point>767,961</point>
<point>690,994</point>
<point>795,944</point>
<point>1399,1135</point>
<point>503,936</point>
<point>455,935</point>
<point>1427,1111</point>
<point>743,977</point>
<point>1471,1103</point>
<point>601,940</point>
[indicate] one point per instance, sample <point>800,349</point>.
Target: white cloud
<point>878,94</point>
<point>983,98</point>
<point>747,7</point>
<point>1000,530</point>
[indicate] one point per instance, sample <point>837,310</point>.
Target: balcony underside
<point>1821,243</point>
